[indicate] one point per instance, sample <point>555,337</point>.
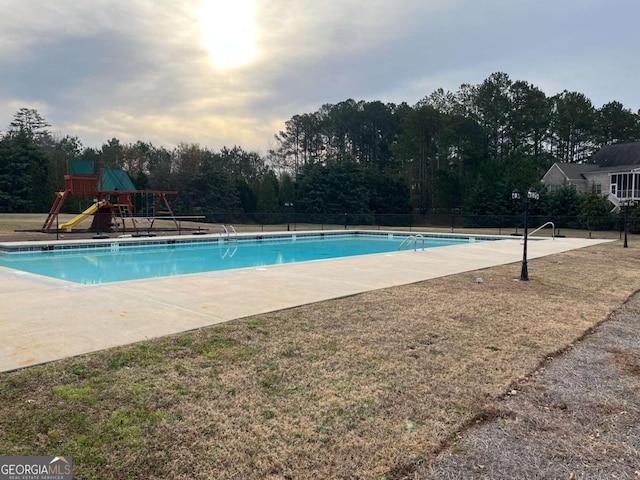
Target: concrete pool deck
<point>44,319</point>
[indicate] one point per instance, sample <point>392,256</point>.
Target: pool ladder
<point>411,240</point>
<point>233,231</point>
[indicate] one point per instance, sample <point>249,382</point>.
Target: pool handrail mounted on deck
<point>411,240</point>
<point>553,230</point>
<point>233,230</point>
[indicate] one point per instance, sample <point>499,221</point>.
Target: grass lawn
<point>359,387</point>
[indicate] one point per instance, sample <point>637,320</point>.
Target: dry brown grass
<point>371,386</point>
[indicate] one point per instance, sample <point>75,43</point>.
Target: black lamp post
<point>288,206</point>
<point>626,205</point>
<point>532,196</point>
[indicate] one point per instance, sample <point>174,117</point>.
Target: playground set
<point>112,192</point>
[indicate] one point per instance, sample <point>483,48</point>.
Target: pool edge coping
<point>129,241</point>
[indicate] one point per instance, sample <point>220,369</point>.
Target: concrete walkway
<point>44,319</point>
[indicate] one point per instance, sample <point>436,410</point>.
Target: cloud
<point>140,70</point>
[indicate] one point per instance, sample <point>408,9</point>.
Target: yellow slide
<point>75,220</point>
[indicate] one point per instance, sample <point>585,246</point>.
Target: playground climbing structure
<point>112,192</point>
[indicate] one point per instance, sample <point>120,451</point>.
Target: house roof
<point>575,171</point>
<point>617,155</point>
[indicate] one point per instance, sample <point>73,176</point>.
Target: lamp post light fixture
<point>532,196</point>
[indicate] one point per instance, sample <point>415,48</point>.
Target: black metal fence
<point>501,224</point>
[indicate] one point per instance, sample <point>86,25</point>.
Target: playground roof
<point>112,180</point>
<point>80,167</point>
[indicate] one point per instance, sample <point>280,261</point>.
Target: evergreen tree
<point>23,174</point>
<point>595,212</point>
<point>334,189</point>
<point>388,195</point>
<point>616,124</point>
<point>565,201</point>
<point>287,191</point>
<point>268,195</point>
<point>572,127</point>
<point>31,123</point>
<point>247,196</point>
<point>211,189</point>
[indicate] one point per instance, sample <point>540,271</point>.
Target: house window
<point>596,188</point>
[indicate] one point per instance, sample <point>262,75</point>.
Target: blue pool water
<point>121,262</point>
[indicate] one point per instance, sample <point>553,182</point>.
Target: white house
<point>614,171</point>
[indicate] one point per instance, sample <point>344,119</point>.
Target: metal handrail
<point>233,230</point>
<point>412,239</point>
<point>553,230</point>
<point>406,241</point>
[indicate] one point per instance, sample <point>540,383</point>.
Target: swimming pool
<point>120,260</point>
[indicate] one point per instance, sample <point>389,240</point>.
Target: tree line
<point>463,150</point>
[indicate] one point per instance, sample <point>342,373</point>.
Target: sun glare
<point>229,31</point>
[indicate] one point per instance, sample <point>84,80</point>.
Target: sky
<point>232,72</point>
